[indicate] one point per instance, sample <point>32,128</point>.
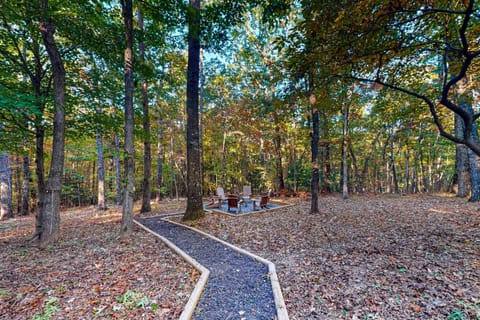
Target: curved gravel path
<point>238,286</point>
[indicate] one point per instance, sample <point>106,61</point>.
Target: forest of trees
<point>110,102</point>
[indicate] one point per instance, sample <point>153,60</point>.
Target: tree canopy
<point>268,73</point>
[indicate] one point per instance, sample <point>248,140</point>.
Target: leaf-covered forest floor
<point>368,257</point>
<point>89,273</point>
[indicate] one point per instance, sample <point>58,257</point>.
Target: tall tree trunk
<point>51,215</point>
<point>101,171</point>
<point>386,179</point>
<point>40,173</point>
<point>200,113</point>
<point>361,181</point>
<point>295,182</point>
<point>314,146</point>
<point>24,209</point>
<point>118,170</point>
<point>6,209</point>
<point>461,161</point>
<point>129,191</point>
<point>278,153</point>
<point>194,168</point>
<point>159,181</point>
<point>473,158</point>
<point>147,150</point>
<point>344,153</point>
<point>406,188</point>
<point>325,155</point>
<point>392,163</point>
<point>356,170</point>
<point>18,183</point>
<point>172,165</point>
<point>223,180</point>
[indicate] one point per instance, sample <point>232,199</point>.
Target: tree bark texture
<point>194,168</point>
<point>160,156</point>
<point>172,164</point>
<point>6,209</point>
<point>40,173</point>
<point>278,154</point>
<point>147,149</point>
<point>50,230</point>
<point>101,172</point>
<point>473,158</point>
<point>392,164</point>
<point>461,161</point>
<point>325,155</point>
<point>315,166</point>
<point>118,170</point>
<point>129,188</point>
<point>344,153</point>
<point>24,207</point>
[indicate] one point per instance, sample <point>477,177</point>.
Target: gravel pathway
<point>238,286</point>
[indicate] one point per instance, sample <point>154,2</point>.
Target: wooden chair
<point>246,194</point>
<point>221,193</point>
<point>262,202</point>
<point>247,191</point>
<point>234,202</point>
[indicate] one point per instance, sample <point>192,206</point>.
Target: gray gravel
<point>238,286</point>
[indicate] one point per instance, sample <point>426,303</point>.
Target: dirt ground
<point>367,257</point>
<point>90,274</point>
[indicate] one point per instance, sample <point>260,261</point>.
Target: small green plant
<point>48,311</point>
<point>4,293</point>
<point>456,314</point>
<point>128,299</point>
<point>142,302</point>
<point>131,299</point>
<point>22,251</point>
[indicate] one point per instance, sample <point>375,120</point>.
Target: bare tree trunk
<point>194,167</point>
<point>386,180</point>
<point>406,188</point>
<point>361,176</point>
<point>147,150</point>
<point>356,171</point>
<point>159,181</point>
<point>314,146</point>
<point>295,182</point>
<point>40,173</point>
<point>392,163</point>
<point>461,161</point>
<point>344,153</point>
<point>51,215</point>
<point>24,208</point>
<point>223,179</point>
<point>118,171</point>
<point>278,154</point>
<point>6,209</point>
<point>101,172</point>
<point>172,165</point>
<point>325,155</point>
<point>18,183</point>
<point>200,113</point>
<point>473,159</point>
<point>129,191</point>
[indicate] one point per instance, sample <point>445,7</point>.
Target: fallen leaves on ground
<point>368,257</point>
<point>89,273</point>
